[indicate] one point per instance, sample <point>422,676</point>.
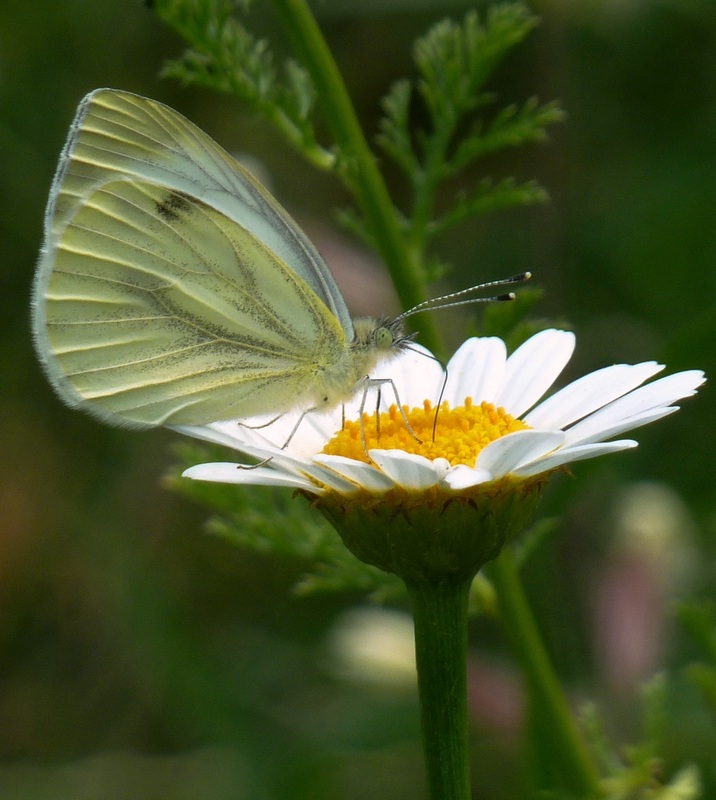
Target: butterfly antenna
<point>462,298</point>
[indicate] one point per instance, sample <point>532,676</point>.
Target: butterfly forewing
<point>118,134</point>
<point>161,309</point>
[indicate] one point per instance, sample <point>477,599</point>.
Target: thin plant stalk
<point>440,615</point>
<point>577,767</point>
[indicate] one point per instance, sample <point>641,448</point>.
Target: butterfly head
<point>381,336</point>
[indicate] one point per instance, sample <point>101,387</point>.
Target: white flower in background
<point>373,646</point>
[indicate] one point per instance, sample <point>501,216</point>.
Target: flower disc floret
<point>459,433</point>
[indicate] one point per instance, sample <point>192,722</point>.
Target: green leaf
<point>343,575</point>
<point>512,127</point>
<point>488,197</point>
<point>636,771</point>
<point>299,92</point>
<point>395,136</point>
<point>272,521</point>
<point>699,620</point>
<point>704,677</point>
<point>224,56</point>
<point>455,60</point>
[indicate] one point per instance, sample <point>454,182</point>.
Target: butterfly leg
<point>379,382</point>
<point>255,466</point>
<point>262,425</point>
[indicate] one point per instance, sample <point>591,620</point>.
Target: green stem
<point>576,766</point>
<point>405,265</point>
<point>426,182</point>
<point>440,614</point>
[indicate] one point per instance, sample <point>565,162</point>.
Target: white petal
<point>578,434</point>
<point>463,477</point>
<point>361,474</point>
<point>279,458</point>
<point>331,479</point>
<point>221,472</point>
<point>311,436</point>
<point>477,370</point>
<point>635,405</point>
<point>314,431</point>
<point>415,374</point>
<point>408,470</point>
<point>568,454</point>
<point>533,368</point>
<point>441,466</point>
<point>254,445</point>
<point>215,432</point>
<point>589,393</point>
<point>421,377</point>
<point>301,433</point>
<point>507,454</point>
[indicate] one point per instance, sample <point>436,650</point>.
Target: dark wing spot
<point>172,206</point>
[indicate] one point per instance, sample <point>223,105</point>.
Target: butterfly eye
<point>384,338</point>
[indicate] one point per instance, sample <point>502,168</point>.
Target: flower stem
<point>571,758</point>
<point>372,195</point>
<point>440,614</point>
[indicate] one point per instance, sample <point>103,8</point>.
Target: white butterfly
<point>173,289</point>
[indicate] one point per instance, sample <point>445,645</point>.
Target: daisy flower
<point>441,499</point>
<point>493,424</point>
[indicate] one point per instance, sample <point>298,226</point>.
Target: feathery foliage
<point>268,520</point>
<point>454,62</point>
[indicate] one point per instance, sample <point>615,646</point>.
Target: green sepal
<point>434,535</point>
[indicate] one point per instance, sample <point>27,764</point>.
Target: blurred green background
<point>142,658</point>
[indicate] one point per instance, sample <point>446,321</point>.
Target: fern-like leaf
<point>270,521</point>
<point>223,56</point>
<point>487,197</point>
<point>395,138</point>
<point>512,127</point>
<point>454,62</point>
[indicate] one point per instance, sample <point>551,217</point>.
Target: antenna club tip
<point>526,276</point>
<point>502,298</point>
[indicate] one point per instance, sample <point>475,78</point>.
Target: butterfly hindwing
<point>160,309</point>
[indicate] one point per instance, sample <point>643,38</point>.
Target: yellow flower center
<point>460,433</point>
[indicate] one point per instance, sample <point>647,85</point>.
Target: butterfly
<point>173,289</point>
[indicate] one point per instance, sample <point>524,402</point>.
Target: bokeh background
<point>141,657</point>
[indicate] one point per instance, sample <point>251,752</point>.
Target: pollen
<point>458,436</point>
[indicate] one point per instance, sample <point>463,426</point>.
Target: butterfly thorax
<point>374,341</point>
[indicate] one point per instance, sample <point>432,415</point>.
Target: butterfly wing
<point>119,134</point>
<point>118,137</point>
<point>160,309</point>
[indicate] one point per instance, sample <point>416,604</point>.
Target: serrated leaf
<point>704,677</point>
<point>512,127</point>
<point>699,620</point>
<point>455,60</point>
<point>301,92</point>
<point>342,576</point>
<point>489,197</point>
<point>224,56</point>
<point>271,521</point>
<point>395,136</point>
